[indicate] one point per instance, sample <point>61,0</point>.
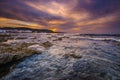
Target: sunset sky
<point>82,16</point>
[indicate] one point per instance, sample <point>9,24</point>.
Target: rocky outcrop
<point>15,52</point>
<point>36,48</point>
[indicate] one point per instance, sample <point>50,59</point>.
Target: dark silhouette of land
<point>24,29</point>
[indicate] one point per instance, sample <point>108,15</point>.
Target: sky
<point>80,16</point>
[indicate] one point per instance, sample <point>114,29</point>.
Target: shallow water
<point>99,60</point>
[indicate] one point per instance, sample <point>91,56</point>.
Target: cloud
<point>5,22</point>
<point>59,9</point>
<point>98,21</point>
<point>56,22</point>
<point>63,15</point>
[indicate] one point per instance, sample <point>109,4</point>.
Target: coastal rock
<point>47,44</point>
<point>13,52</point>
<point>7,57</point>
<point>36,48</point>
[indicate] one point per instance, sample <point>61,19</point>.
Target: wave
<point>105,39</point>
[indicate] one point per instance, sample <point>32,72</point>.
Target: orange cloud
<point>50,7</point>
<point>98,21</point>
<point>3,19</point>
<point>76,29</point>
<point>5,22</point>
<point>60,9</point>
<point>56,22</point>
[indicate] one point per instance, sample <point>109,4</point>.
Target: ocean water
<point>74,57</point>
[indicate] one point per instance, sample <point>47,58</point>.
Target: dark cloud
<point>98,7</point>
<point>19,10</point>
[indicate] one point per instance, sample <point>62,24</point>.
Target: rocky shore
<point>58,56</point>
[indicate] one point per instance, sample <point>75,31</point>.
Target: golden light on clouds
<point>5,22</point>
<point>3,19</point>
<point>60,9</point>
<point>50,7</point>
<point>76,29</point>
<point>56,22</point>
<point>97,21</point>
<point>102,20</point>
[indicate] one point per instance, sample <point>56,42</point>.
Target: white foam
<point>103,39</point>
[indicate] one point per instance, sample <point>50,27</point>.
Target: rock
<point>9,53</point>
<point>7,57</point>
<point>4,58</point>
<point>73,55</point>
<point>47,44</point>
<point>36,48</point>
<point>117,43</point>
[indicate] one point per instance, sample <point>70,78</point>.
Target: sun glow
<point>54,29</point>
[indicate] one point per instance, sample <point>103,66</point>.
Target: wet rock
<point>117,43</point>
<point>3,58</point>
<point>47,44</point>
<point>7,57</point>
<point>76,56</point>
<point>59,39</point>
<point>36,48</point>
<point>73,55</point>
<point>11,52</point>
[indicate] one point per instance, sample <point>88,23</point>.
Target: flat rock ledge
<point>10,52</point>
